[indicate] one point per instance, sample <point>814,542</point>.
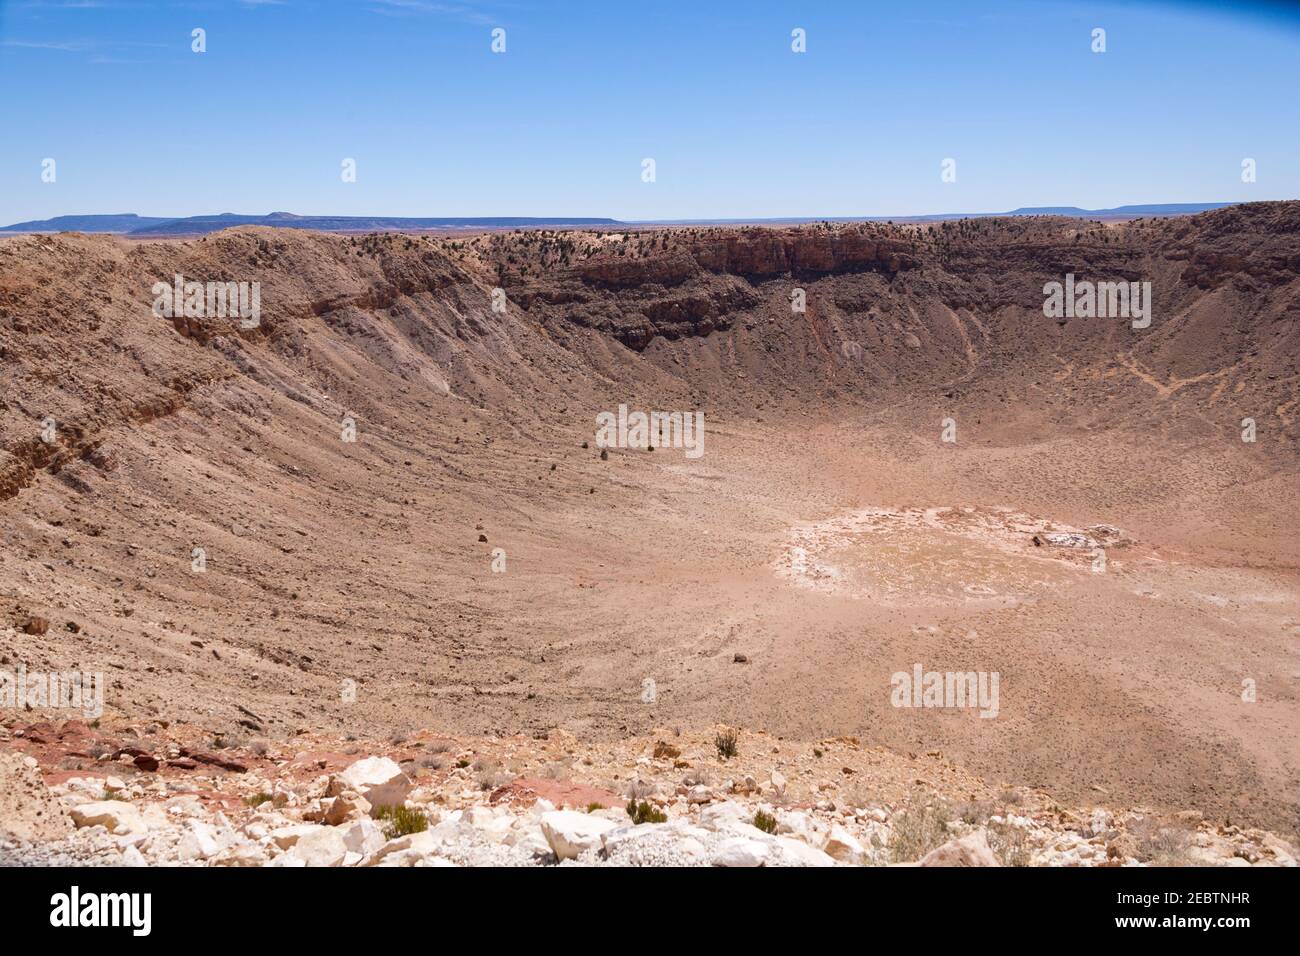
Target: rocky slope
<point>151,798</point>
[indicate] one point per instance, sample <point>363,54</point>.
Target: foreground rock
<point>117,816</point>
<point>970,850</point>
<point>28,811</point>
<point>773,804</point>
<point>570,834</point>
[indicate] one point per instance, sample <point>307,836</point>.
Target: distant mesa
<point>1075,212</point>
<point>148,226</point>
<point>1151,209</point>
<point>154,227</point>
<point>119,222</point>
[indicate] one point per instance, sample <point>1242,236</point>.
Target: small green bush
<point>765,821</point>
<point>644,812</point>
<point>725,742</point>
<point>399,821</point>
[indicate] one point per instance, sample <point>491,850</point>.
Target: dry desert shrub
<point>697,777</point>
<point>974,812</point>
<point>493,778</point>
<point>638,789</point>
<point>1009,844</point>
<point>1161,845</point>
<point>555,770</point>
<point>918,829</point>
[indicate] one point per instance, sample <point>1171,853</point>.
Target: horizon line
<point>161,222</point>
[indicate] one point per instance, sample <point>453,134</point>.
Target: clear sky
<point>738,125</point>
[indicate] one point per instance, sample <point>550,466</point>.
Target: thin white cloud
<point>398,8</point>
<point>64,46</point>
<point>64,5</point>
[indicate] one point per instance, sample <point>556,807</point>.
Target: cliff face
<point>757,255</point>
<point>957,305</point>
<point>698,312</point>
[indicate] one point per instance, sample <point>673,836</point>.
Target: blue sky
<point>738,124</point>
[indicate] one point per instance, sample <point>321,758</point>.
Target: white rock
<point>345,807</point>
<point>132,857</point>
<point>245,855</point>
<point>114,815</point>
<point>1100,822</point>
<point>721,816</point>
<point>495,824</point>
<point>322,847</point>
<point>799,853</point>
<point>691,849</point>
<point>1283,852</point>
<point>255,831</point>
<point>739,851</point>
<point>198,842</point>
<point>420,842</point>
<point>612,839</point>
<point>378,779</point>
<point>531,840</point>
<point>363,837</point>
<point>82,785</point>
<point>778,782</point>
<point>285,837</point>
<point>971,850</point>
<point>569,832</point>
<point>480,817</point>
<point>844,846</point>
<point>802,827</point>
<point>185,805</point>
